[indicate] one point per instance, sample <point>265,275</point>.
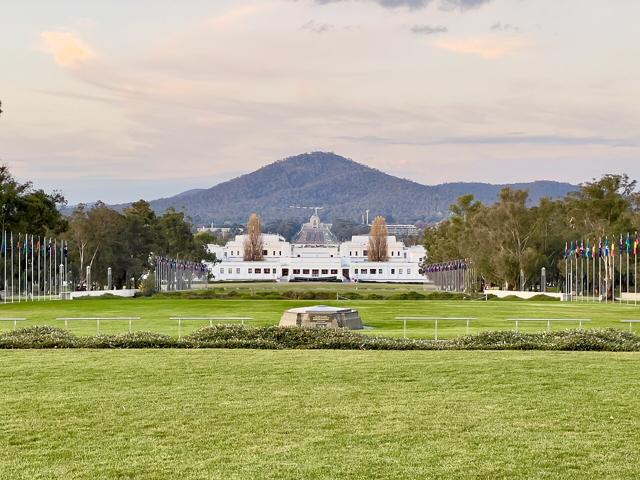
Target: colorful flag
<point>600,248</point>
<point>607,252</point>
<point>635,245</point>
<point>566,249</point>
<point>3,250</point>
<point>628,244</point>
<point>620,246</point>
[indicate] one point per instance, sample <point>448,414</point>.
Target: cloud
<point>237,14</point>
<point>485,47</point>
<point>504,27</point>
<point>418,4</point>
<point>513,139</point>
<point>428,29</point>
<point>315,27</point>
<point>67,48</point>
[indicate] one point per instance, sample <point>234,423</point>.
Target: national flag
<point>588,251</point>
<point>65,250</point>
<point>600,248</point>
<point>620,246</point>
<point>3,250</point>
<point>607,252</point>
<point>635,245</point>
<point>566,249</point>
<point>628,244</point>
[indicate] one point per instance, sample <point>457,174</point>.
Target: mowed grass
<point>243,414</point>
<point>378,314</point>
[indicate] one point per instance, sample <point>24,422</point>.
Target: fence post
<point>436,332</point>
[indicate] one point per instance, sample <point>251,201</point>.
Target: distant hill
<point>343,187</point>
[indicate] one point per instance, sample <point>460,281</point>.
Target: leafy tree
<point>25,209</point>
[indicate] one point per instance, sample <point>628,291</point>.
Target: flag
<point>65,250</point>
<point>3,250</point>
<point>600,248</point>
<point>620,246</point>
<point>628,244</point>
<point>566,249</point>
<point>635,245</point>
<point>607,252</point>
<point>588,251</point>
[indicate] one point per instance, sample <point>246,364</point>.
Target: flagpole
<point>12,286</point>
<point>39,264</point>
<point>4,246</point>
<point>19,266</point>
<point>620,274</point>
<point>627,245</point>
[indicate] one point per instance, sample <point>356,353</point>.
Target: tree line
<point>99,236</point>
<point>510,241</point>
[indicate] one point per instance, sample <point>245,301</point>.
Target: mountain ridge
<point>342,186</point>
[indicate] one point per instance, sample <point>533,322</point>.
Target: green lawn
<point>379,314</point>
<point>244,414</point>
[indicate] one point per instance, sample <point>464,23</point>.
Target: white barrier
<point>436,320</point>
<point>14,320</point>
<point>209,319</point>
<point>97,320</point>
<point>549,321</point>
<point>630,322</point>
<point>125,293</point>
<point>521,294</point>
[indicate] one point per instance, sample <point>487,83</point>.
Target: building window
<point>267,270</point>
<point>230,270</point>
<point>355,271</point>
<point>264,252</point>
<point>334,272</point>
<point>274,253</point>
<point>380,271</point>
<point>296,271</point>
<point>222,270</point>
<point>408,271</point>
<point>251,270</point>
<point>393,271</point>
<point>365,253</point>
<point>351,254</point>
<point>372,271</point>
<point>238,271</point>
<point>280,253</point>
<point>315,272</point>
<point>400,271</point>
<point>325,271</point>
<point>392,253</point>
<point>258,270</point>
<point>305,271</point>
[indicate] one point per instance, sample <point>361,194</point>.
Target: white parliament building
<point>316,254</point>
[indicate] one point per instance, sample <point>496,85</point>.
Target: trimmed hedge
<point>275,338</point>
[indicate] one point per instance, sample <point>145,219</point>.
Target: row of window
<point>316,272</point>
<point>373,271</point>
<point>264,252</point>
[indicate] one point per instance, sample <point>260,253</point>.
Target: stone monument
<point>322,316</point>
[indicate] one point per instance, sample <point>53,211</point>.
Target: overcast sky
<point>120,100</point>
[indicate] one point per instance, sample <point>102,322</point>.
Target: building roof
<point>315,233</point>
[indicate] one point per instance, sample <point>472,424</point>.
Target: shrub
<point>541,297</point>
<point>40,336</point>
<point>130,340</point>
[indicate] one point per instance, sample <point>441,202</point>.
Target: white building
<point>316,254</point>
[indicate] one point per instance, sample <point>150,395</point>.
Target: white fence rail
<point>97,320</point>
<point>548,321</point>
<point>14,320</point>
<point>209,319</point>
<point>630,322</point>
<point>435,320</point>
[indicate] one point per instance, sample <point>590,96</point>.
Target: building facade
<point>316,255</point>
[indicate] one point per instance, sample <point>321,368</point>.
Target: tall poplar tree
<point>378,241</point>
<point>253,239</point>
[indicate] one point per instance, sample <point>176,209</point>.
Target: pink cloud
<point>67,48</point>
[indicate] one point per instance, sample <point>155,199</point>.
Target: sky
<point>123,100</point>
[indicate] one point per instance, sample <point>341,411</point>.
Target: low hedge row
<point>274,338</point>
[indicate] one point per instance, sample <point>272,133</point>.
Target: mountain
<point>343,187</point>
